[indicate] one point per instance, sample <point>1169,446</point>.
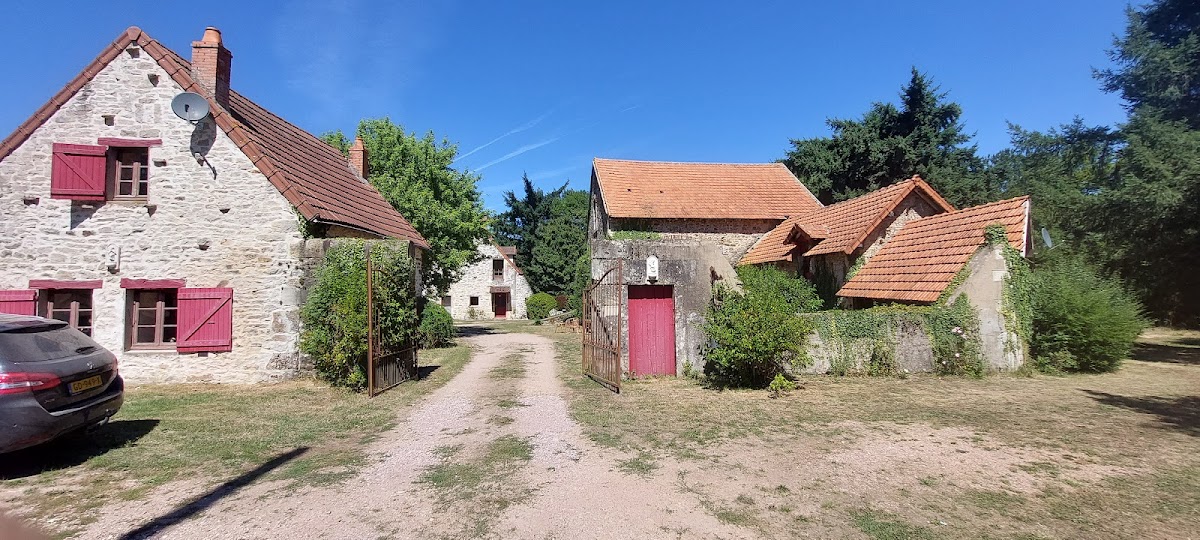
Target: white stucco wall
<point>248,228</point>
<point>477,281</point>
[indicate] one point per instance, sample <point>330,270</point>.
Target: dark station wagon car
<point>54,380</point>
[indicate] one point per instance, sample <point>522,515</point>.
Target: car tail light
<point>15,383</point>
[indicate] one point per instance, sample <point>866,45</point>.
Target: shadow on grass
<point>1181,414</point>
<point>203,502</point>
<point>73,450</point>
<point>1153,352</point>
<point>471,330</point>
<point>423,372</point>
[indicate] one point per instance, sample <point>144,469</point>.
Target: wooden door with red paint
<point>500,305</point>
<point>651,330</point>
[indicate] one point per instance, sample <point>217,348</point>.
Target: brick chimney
<point>358,157</point>
<point>210,64</point>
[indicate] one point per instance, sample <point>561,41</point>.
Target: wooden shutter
<point>205,320</point>
<point>18,302</point>
<point>78,172</point>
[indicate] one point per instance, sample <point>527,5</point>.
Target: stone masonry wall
<point>477,281</point>
<point>732,236</point>
<point>912,207</point>
<point>689,267</point>
<point>215,222</point>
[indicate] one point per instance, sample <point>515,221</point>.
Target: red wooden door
<point>651,330</point>
<point>500,305</point>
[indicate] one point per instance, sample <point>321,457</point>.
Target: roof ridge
<point>883,211</point>
<point>650,161</point>
<point>247,140</point>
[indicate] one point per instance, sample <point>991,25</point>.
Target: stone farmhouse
<point>679,228</point>
<point>175,244</point>
<point>493,287</point>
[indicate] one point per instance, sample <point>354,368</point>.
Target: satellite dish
<point>1046,238</point>
<point>190,106</point>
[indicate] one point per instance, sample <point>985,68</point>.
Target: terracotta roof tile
<point>851,221</point>
<point>921,260</point>
<point>659,189</point>
<point>313,176</point>
<point>843,226</point>
<point>778,245</point>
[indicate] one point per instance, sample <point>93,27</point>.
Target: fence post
<point>370,322</point>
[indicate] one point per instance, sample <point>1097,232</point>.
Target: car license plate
<point>84,385</point>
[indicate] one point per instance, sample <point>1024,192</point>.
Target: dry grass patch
<point>210,434</point>
<point>1006,456</point>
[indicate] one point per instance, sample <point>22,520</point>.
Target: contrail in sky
<point>511,132</point>
<point>516,153</point>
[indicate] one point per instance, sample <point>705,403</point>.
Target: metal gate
<point>602,329</point>
<point>392,305</point>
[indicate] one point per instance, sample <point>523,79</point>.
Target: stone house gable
<point>197,275</point>
<point>492,287</point>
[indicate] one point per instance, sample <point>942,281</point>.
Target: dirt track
<point>564,487</point>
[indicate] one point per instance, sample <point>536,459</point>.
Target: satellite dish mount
<point>190,106</point>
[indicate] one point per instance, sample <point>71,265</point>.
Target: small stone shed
<point>921,261</point>
<point>176,245</point>
<point>493,287</point>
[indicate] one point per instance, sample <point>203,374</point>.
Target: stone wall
<point>477,281</point>
<point>912,207</point>
<point>215,222</point>
<point>913,351</point>
<point>732,236</point>
<point>690,267</point>
<point>1002,349</point>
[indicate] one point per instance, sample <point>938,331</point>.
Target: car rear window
<point>41,343</point>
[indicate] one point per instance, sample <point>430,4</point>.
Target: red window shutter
<point>205,320</point>
<point>18,302</point>
<point>78,172</point>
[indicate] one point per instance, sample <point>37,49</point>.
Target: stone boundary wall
<point>913,351</point>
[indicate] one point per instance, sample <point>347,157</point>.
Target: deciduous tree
<point>414,175</point>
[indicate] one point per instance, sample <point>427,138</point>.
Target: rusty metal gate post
<point>394,361</point>
<point>602,333</point>
<point>371,325</point>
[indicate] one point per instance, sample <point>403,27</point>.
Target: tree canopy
<point>558,244</point>
<point>414,175</point>
<point>549,230</point>
<point>518,225</point>
<point>923,136</point>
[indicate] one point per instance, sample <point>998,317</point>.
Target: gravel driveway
<point>449,470</point>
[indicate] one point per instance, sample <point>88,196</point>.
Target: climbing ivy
<point>864,341</point>
<point>635,235</point>
<point>1017,298</point>
<point>955,283</point>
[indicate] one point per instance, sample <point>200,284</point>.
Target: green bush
<point>780,385</point>
<point>583,279</point>
<point>1087,316</point>
<point>437,327</point>
<point>755,335</point>
<point>335,314</point>
<point>538,306</point>
<point>953,330</point>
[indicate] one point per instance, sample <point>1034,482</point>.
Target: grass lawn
<point>298,431</point>
<point>1082,456</point>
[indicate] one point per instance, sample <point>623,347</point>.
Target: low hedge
<point>437,327</point>
<point>538,306</point>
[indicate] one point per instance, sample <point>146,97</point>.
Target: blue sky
<point>543,87</point>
